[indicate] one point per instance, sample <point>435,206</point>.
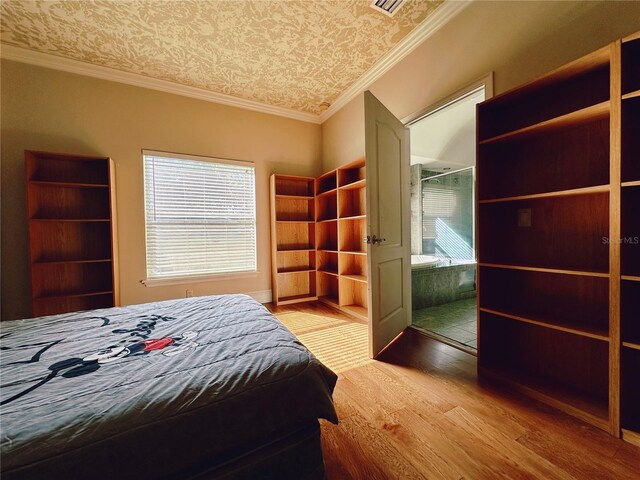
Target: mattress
<point>154,390</point>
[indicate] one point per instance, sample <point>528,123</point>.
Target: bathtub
<point>435,281</point>
<point>423,261</point>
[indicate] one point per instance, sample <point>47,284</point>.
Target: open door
<point>388,227</point>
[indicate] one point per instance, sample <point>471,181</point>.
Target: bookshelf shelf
<point>321,236</point>
<point>293,238</point>
<point>71,211</point>
<point>557,160</point>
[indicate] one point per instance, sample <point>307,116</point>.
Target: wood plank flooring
<point>421,412</point>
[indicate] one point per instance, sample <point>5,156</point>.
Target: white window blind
<point>200,216</point>
<point>438,201</point>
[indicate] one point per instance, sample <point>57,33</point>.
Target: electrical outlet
<point>524,217</point>
<point>189,293</point>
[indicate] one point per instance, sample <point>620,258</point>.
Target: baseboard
<point>263,296</point>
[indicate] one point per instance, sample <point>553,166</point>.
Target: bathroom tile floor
<point>455,320</point>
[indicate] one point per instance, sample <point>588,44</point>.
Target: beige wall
<point>517,40</point>
<point>343,135</point>
<point>48,110</point>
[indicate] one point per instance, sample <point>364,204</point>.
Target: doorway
<point>443,219</point>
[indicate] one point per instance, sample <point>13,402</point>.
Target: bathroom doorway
<point>443,253</point>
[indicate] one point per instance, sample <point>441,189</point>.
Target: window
<point>200,215</point>
<point>447,214</point>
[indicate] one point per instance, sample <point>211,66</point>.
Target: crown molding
<point>443,14</point>
<point>428,27</point>
<point>10,52</point>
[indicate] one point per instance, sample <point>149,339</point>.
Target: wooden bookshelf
<point>629,308</point>
<point>556,394</point>
<point>568,90</point>
<point>71,212</point>
<point>630,394</point>
<point>327,204</point>
<point>352,175</point>
<point>548,181</point>
<point>630,241</point>
<point>327,233</point>
<point>630,231</point>
<point>328,262</point>
<point>327,182</point>
<point>328,290</point>
<point>352,228</point>
<point>562,232</point>
<point>557,124</point>
<point>317,236</point>
<point>295,236</point>
<point>572,303</point>
<point>348,289</point>
<point>352,232</point>
<point>575,158</point>
<point>351,202</point>
<point>293,239</point>
<point>630,144</point>
<point>565,370</point>
<point>557,193</point>
<point>559,238</point>
<point>631,64</point>
<point>547,270</point>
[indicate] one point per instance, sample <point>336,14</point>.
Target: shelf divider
<point>296,299</point>
<point>287,272</point>
<point>599,110</point>
<point>61,262</point>
<point>583,331</point>
<point>352,186</point>
<point>633,94</point>
<point>45,183</point>
<point>74,295</point>
<point>357,278</point>
<point>559,193</point>
<point>546,270</point>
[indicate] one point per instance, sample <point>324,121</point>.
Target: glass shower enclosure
<point>443,274</point>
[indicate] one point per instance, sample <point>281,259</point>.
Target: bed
<point>208,387</point>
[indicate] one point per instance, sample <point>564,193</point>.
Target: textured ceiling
<point>291,53</point>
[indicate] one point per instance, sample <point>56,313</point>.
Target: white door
<point>388,227</point>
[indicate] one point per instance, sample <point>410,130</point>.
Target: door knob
<point>373,240</point>
<point>377,240</point>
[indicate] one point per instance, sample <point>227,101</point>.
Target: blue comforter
<point>148,390</point>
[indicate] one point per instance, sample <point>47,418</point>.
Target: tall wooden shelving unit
<point>630,234</point>
<point>71,218</point>
<point>327,233</point>
<point>344,277</point>
<point>549,220</point>
<point>339,261</point>
<point>293,255</point>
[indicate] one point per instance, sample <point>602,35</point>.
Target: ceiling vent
<point>388,7</point>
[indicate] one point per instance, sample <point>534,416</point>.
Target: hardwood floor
<point>421,412</point>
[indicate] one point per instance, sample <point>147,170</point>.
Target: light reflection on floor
<point>341,345</point>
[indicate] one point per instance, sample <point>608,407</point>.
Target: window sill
<point>162,282</point>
